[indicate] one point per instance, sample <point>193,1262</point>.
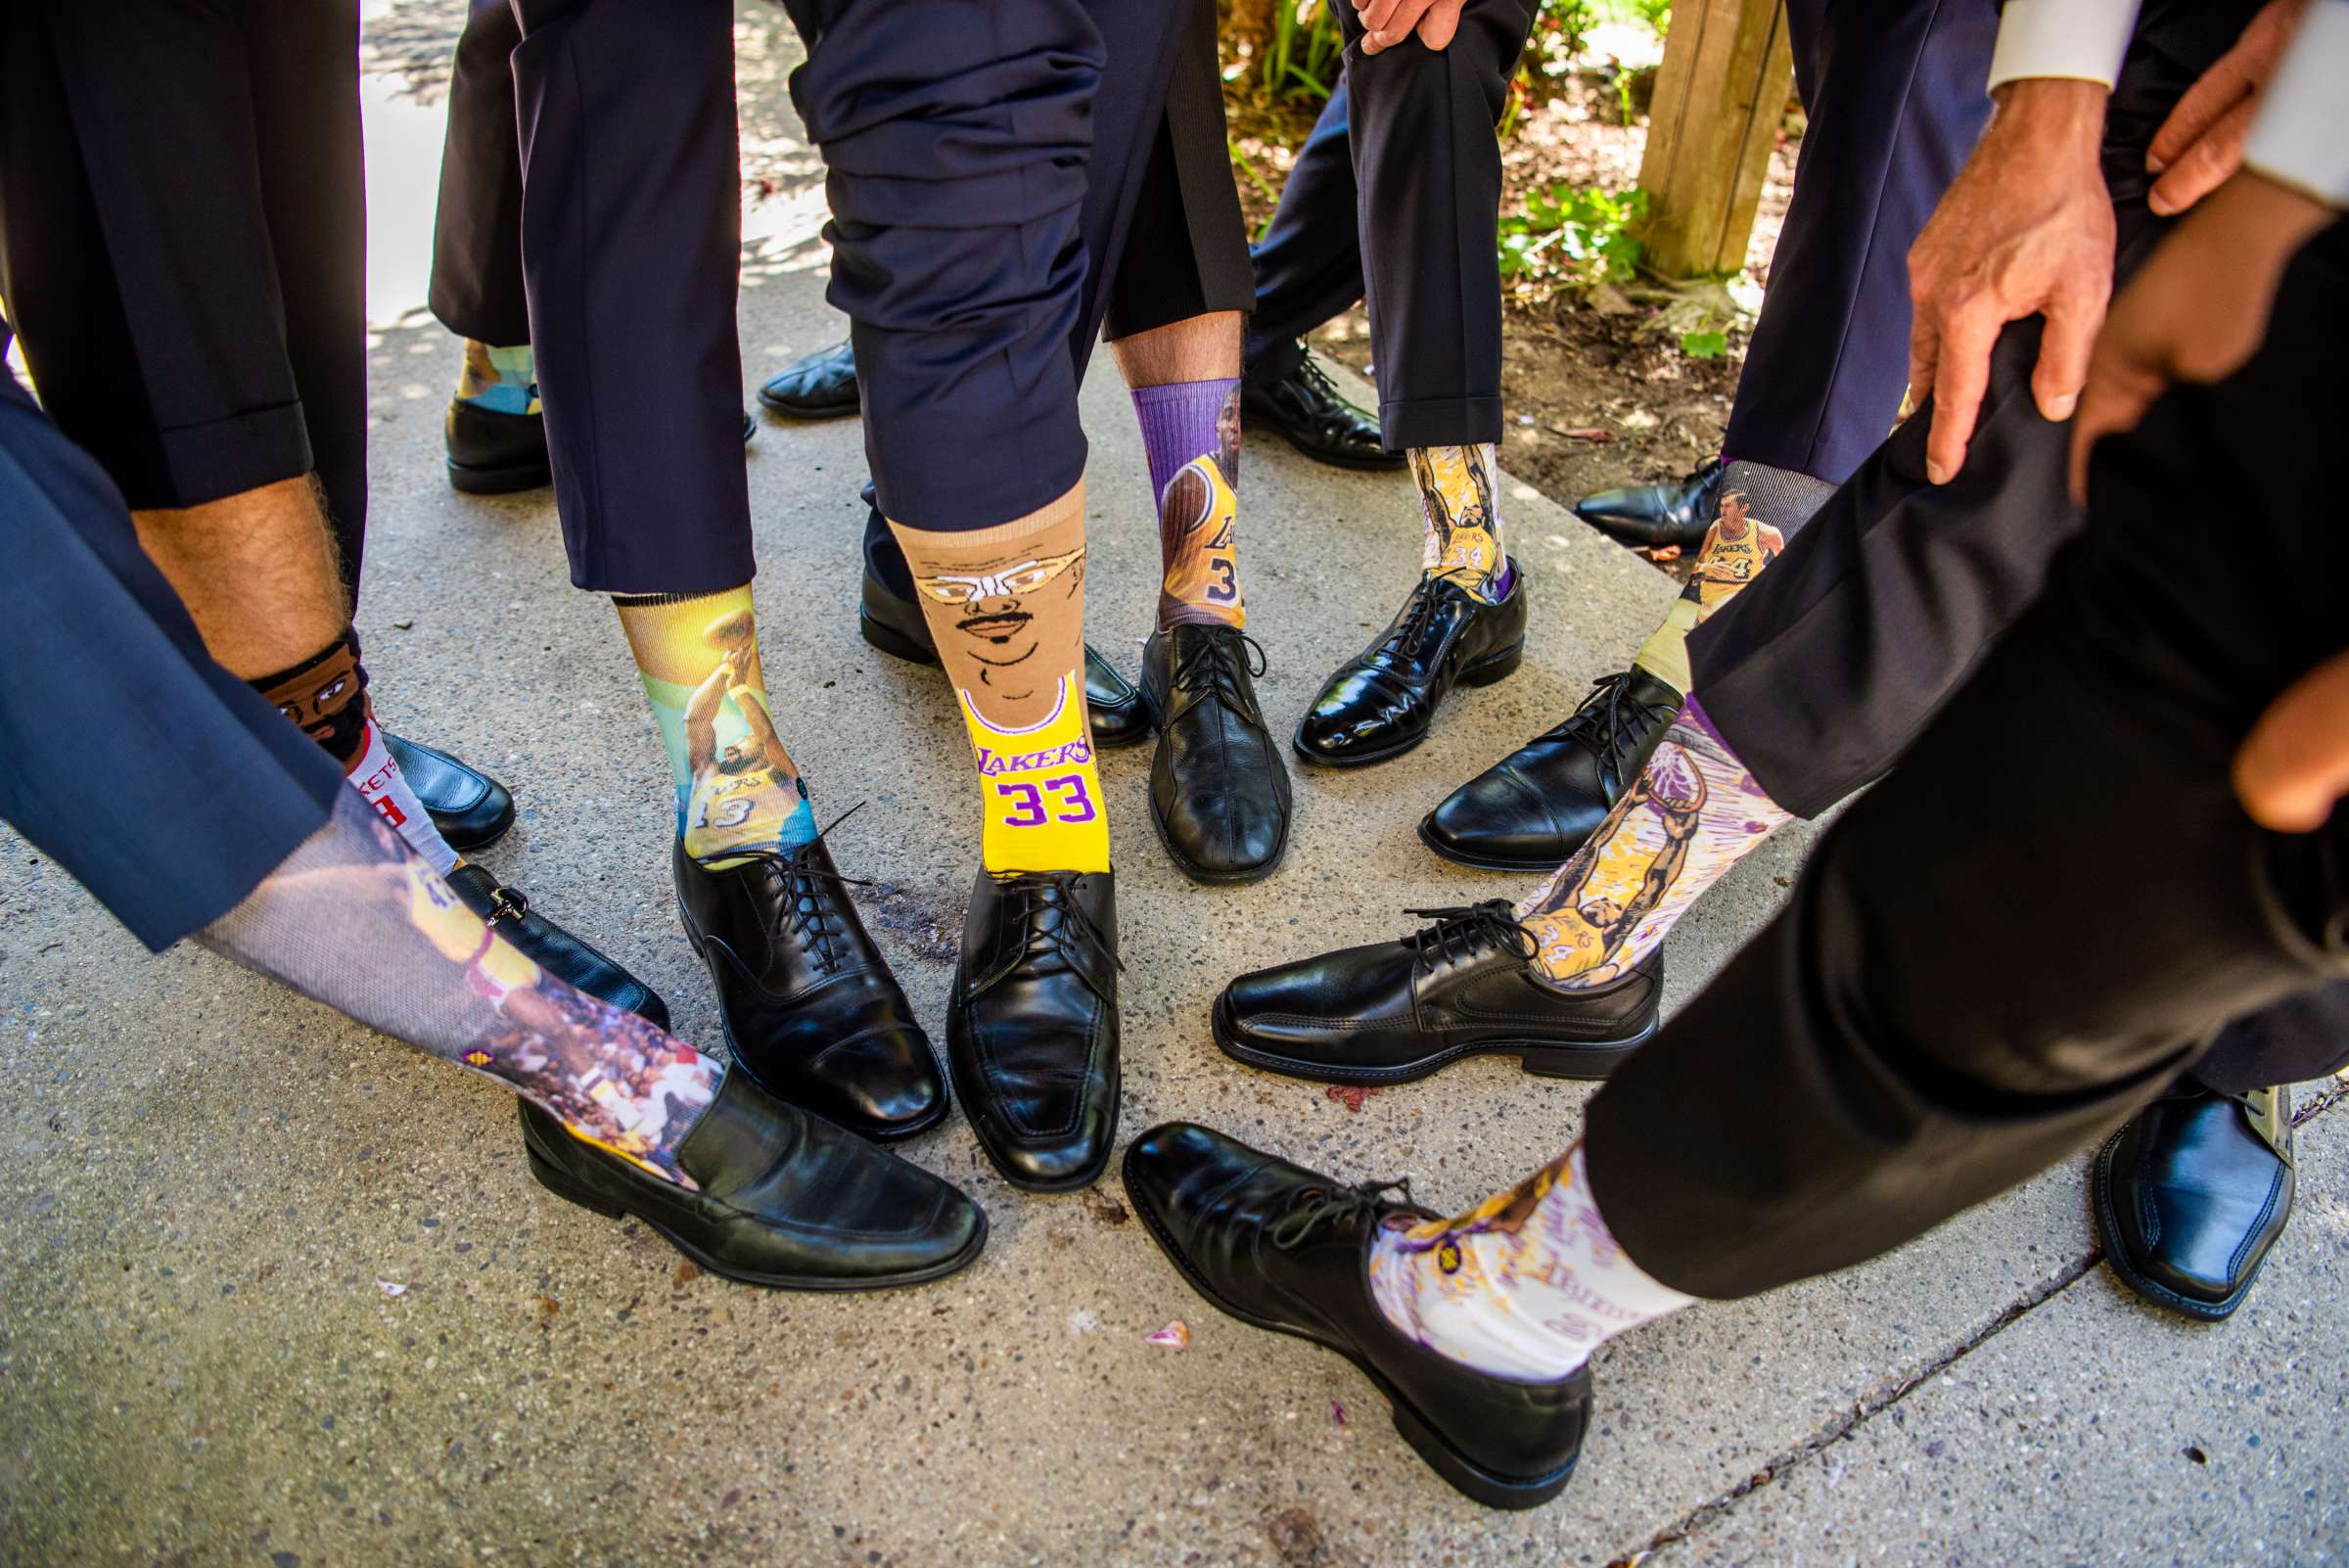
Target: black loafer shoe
<point>1650,517</point>
<point>1382,703</point>
<point>810,1006</point>
<point>819,385</point>
<point>1032,1030</point>
<point>785,1199</point>
<point>472,809</point>
<point>2190,1196</point>
<point>894,625</point>
<point>1280,1247</point>
<point>553,948</point>
<point>1218,790</point>
<point>1307,408</point>
<point>1534,808</point>
<point>491,454</point>
<point>1463,987</point>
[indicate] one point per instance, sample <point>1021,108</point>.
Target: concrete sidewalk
<point>210,1186</point>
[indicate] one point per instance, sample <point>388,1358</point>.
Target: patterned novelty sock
<point>736,788</point>
<point>1526,1284</point>
<point>1461,507</point>
<point>1006,607</point>
<point>326,694</point>
<point>1191,434</point>
<point>504,381</point>
<point>355,920</point>
<point>1736,547</point>
<point>1693,812</point>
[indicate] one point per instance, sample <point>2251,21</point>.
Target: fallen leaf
<point>1350,1095</point>
<point>1337,1412</point>
<point>1177,1335</point>
<point>1596,435</point>
<point>686,1273</point>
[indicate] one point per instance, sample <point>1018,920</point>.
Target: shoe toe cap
<point>1495,817</point>
<point>1173,1168</point>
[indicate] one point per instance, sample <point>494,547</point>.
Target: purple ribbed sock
<point>1179,424</point>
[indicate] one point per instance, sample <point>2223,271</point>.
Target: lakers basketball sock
<point>1006,608</point>
<point>1525,1285</point>
<point>326,694</point>
<point>737,790</point>
<point>504,381</point>
<point>1693,812</point>
<point>354,918</point>
<point>1461,507</point>
<point>1191,434</point>
<point>1757,510</point>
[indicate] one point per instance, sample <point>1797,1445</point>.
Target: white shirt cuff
<point>2301,137</point>
<point>2079,38</point>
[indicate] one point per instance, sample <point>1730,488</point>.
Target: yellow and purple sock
<point>1460,505</point>
<point>1191,434</point>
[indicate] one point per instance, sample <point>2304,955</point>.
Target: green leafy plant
<point>1711,343</point>
<point>1305,54</point>
<point>1572,237</point>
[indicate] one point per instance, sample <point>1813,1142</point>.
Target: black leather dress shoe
<point>1463,987</point>
<point>894,625</point>
<point>1534,808</point>
<point>491,454</point>
<point>1649,516</point>
<point>1307,408</point>
<point>1031,1028</point>
<point>2192,1195</point>
<point>785,1199</point>
<point>810,1006</point>
<point>1280,1247</point>
<point>1381,704</point>
<point>472,809</point>
<point>817,385</point>
<point>1218,790</point>
<point>551,948</point>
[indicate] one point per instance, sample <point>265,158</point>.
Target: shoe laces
<point>1418,618</point>
<point>812,917</point>
<point>1463,932</point>
<point>1071,934</point>
<point>1318,1207</point>
<point>1313,376</point>
<point>1605,722</point>
<point>1216,661</point>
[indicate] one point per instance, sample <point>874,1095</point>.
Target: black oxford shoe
<point>1534,808</point>
<point>1652,517</point>
<point>1218,790</point>
<point>810,1008</point>
<point>1032,1030</point>
<point>506,911</point>
<point>472,809</point>
<point>1463,987</point>
<point>2190,1196</point>
<point>817,385</point>
<point>894,624</point>
<point>492,453</point>
<point>1307,408</point>
<point>1280,1247</point>
<point>785,1199</point>
<point>1380,703</point>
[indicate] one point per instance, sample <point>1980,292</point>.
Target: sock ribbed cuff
<point>1179,424</point>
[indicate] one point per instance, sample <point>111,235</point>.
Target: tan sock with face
<point>1006,608</point>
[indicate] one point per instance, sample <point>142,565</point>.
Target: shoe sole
<point>1587,1064</point>
<point>898,645</point>
<point>1465,1475</point>
<point>1442,851</point>
<point>562,1187</point>
<point>1360,465</point>
<point>1485,672</point>
<point>499,480</point>
<point>807,416</point>
<point>2117,1257</point>
<point>894,1135</point>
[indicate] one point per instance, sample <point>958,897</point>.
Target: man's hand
<point>1388,22</point>
<point>2196,308</point>
<point>2025,228</point>
<point>2294,764</point>
<point>2201,143</point>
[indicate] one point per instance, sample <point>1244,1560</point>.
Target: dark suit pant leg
<point>1429,170</point>
<point>632,245</point>
<point>1309,267</point>
<point>163,783</point>
<point>2043,915</point>
<point>477,290</point>
<point>183,244</point>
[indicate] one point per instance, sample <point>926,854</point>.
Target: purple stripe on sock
<point>1693,714</point>
<point>1179,424</point>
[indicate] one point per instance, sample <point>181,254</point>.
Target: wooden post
<point>1720,95</point>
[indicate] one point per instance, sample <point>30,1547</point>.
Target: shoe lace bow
<point>1461,933</point>
<point>811,915</point>
<point>1317,1206</point>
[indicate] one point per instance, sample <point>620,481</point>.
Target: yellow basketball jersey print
<point>1203,565</point>
<point>1039,791</point>
<point>1728,565</point>
<point>727,811</point>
